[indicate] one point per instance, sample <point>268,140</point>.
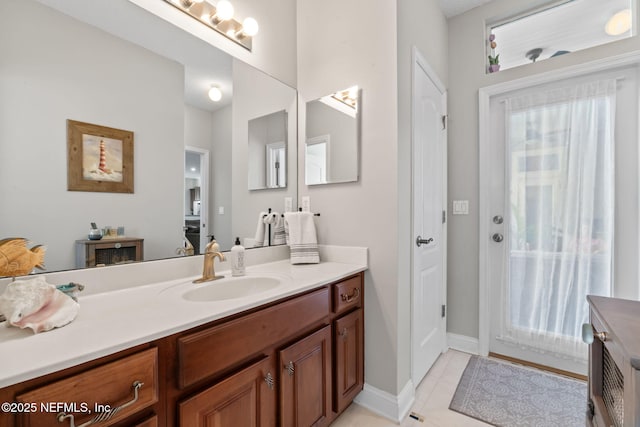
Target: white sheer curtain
<point>560,194</point>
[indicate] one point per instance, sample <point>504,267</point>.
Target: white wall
<point>375,54</point>
<point>220,178</point>
<point>43,85</point>
<point>256,94</point>
<point>466,75</point>
<point>330,58</point>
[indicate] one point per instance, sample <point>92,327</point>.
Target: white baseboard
<point>463,343</point>
<point>386,404</point>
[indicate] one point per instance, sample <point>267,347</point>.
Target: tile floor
<point>432,400</point>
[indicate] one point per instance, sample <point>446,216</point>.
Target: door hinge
<point>444,122</point>
<point>444,310</point>
<point>444,217</point>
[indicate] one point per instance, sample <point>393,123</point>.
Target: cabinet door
<point>245,399</point>
<point>305,389</point>
<point>349,361</point>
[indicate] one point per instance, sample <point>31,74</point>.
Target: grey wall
<point>374,211</point>
<point>54,68</point>
<point>466,75</point>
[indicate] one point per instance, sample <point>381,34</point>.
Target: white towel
<point>302,240</point>
<point>279,237</point>
<point>259,238</point>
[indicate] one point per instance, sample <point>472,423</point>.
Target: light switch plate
<point>288,204</point>
<point>461,207</point>
<point>306,204</point>
<point>221,210</point>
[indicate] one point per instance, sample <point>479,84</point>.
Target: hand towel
<point>302,238</point>
<point>259,237</point>
<point>279,237</point>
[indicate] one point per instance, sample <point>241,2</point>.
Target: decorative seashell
<point>36,304</point>
<point>17,260</point>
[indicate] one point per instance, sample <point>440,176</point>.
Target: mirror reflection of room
<point>331,145</point>
<point>164,123</point>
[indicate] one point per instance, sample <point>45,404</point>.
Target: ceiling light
<point>619,23</point>
<point>215,94</point>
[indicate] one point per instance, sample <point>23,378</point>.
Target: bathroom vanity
<point>294,358</point>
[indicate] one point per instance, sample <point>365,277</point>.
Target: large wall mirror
<point>332,138</point>
<point>139,73</point>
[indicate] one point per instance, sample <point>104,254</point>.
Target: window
<point>560,28</point>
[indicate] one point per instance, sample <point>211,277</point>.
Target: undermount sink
<point>230,288</point>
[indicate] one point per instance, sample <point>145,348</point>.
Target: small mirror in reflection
<point>267,151</point>
<point>331,146</point>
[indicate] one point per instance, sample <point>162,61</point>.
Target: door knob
<point>498,219</point>
<point>497,237</point>
<point>421,241</point>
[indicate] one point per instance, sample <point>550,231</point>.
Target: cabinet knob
<point>290,368</point>
<point>269,380</point>
<point>344,333</point>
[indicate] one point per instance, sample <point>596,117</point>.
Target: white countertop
<point>113,321</point>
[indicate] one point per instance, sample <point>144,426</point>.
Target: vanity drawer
<point>347,294</point>
<point>214,350</point>
<point>109,384</point>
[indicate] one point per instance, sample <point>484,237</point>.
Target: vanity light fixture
<point>619,23</point>
<point>219,17</point>
<point>215,94</point>
<point>348,97</point>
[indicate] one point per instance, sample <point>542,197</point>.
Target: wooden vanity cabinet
<point>305,381</point>
<point>246,398</point>
<point>294,362</point>
<point>349,351</point>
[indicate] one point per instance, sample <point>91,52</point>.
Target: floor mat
<point>508,395</point>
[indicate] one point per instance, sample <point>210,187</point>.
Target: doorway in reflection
<point>196,203</point>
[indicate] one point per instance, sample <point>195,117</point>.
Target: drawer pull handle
<point>344,333</point>
<point>353,296</point>
<point>290,368</point>
<point>269,380</point>
<point>103,416</point>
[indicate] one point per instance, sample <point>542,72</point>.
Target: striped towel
<point>279,235</point>
<point>301,237</point>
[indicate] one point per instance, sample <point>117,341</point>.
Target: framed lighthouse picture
<point>99,158</point>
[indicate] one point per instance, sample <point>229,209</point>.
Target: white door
<point>203,173</point>
<point>429,237</point>
<point>562,212</point>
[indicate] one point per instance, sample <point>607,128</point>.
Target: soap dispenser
<point>237,259</point>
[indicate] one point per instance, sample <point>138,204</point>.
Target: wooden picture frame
<point>99,158</point>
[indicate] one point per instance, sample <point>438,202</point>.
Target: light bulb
<point>250,27</point>
<point>215,94</point>
<point>224,10</point>
<point>619,23</point>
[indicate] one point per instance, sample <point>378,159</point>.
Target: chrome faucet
<point>211,251</point>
